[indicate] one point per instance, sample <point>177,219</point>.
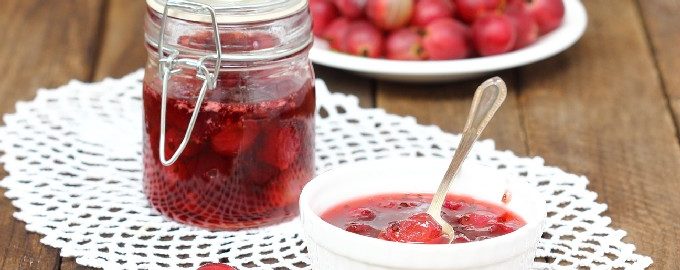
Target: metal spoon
<point>488,98</point>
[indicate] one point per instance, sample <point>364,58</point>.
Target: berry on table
<point>215,266</point>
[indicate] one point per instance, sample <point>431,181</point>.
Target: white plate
<point>575,22</point>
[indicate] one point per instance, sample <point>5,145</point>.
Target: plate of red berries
<point>441,40</point>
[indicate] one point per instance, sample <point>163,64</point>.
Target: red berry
<point>548,14</point>
<point>420,228</point>
<point>446,39</point>
<point>477,219</point>
<point>513,6</point>
<point>363,214</point>
<point>284,190</point>
<point>323,13</point>
<point>493,34</point>
<point>526,27</point>
<point>364,39</point>
<point>362,229</point>
<point>237,41</point>
<point>235,137</point>
<point>215,266</point>
<point>389,14</point>
<point>506,217</point>
<point>351,8</point>
<point>211,166</point>
<point>427,11</point>
<point>453,206</point>
<point>181,170</point>
<point>281,146</point>
<point>336,33</point>
<point>502,229</point>
<point>470,10</point>
<point>405,44</point>
<point>174,137</point>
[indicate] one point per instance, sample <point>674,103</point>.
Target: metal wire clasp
<point>168,66</point>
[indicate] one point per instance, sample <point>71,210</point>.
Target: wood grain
<point>447,105</point>
<point>599,110</point>
<point>348,83</point>
<point>70,264</point>
<point>45,44</point>
<point>122,47</point>
<point>663,30</point>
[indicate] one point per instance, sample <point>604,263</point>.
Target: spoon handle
<point>488,98</point>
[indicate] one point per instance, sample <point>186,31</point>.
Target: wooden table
<point>608,108</point>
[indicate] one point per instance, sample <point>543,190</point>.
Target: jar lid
<point>233,11</point>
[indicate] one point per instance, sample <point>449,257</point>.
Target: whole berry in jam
<point>281,146</point>
<point>362,229</point>
<point>363,214</point>
<point>235,137</point>
<point>419,228</point>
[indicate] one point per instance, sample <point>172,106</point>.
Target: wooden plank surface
<point>122,46</point>
<point>45,44</point>
<point>599,110</point>
<point>663,30</point>
<point>348,83</point>
<point>447,105</point>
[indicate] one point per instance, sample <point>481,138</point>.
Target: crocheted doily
<point>74,164</point>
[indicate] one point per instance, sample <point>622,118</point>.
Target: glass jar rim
<point>233,11</point>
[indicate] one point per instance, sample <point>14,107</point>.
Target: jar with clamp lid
<point>229,108</point>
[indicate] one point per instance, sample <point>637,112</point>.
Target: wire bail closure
<point>168,66</point>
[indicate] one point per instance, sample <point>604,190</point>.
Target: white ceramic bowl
<point>332,248</point>
<point>572,28</point>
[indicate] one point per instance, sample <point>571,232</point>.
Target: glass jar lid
<point>233,11</point>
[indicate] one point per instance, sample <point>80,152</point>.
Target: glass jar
<point>228,110</point>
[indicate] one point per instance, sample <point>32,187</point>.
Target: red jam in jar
<point>402,218</point>
<point>251,149</point>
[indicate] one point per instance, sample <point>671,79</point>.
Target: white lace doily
<point>74,163</point>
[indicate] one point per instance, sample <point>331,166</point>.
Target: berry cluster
<point>433,29</point>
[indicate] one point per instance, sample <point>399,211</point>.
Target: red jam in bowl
<point>402,218</point>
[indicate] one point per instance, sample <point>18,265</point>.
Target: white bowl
<point>572,28</point>
<point>332,248</point>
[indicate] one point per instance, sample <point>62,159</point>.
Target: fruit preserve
<point>228,115</point>
<point>402,218</point>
